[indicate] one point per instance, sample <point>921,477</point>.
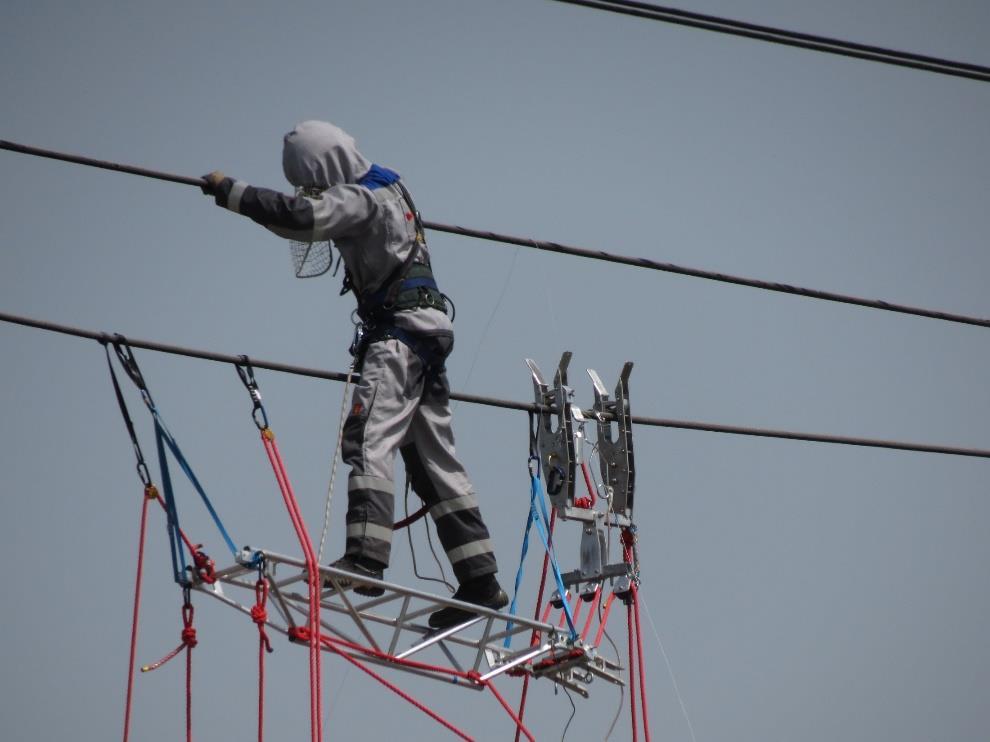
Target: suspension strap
<point>142,467</point>
<point>164,438</point>
<point>171,514</point>
<point>539,517</point>
<point>534,637</point>
<point>150,493</point>
<point>162,431</point>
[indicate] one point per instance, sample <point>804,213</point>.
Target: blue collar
<point>378,177</point>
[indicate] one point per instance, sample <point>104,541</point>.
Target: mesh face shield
<point>310,259</point>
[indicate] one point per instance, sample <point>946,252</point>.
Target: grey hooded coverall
<point>398,405</point>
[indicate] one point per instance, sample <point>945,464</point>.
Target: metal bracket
<point>556,442</point>
<point>615,454</point>
<point>608,571</point>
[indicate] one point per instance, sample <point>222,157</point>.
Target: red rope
<point>591,612</point>
<point>632,672</point>
<point>331,645</point>
<point>628,540</point>
<point>189,686</point>
<point>189,641</point>
<point>334,645</point>
<point>534,638</point>
<point>150,493</point>
<point>410,519</point>
<point>586,502</point>
<point>313,580</point>
<point>259,614</point>
<point>520,728</point>
<point>302,635</point>
<point>642,669</point>
<point>193,548</point>
<point>604,621</point>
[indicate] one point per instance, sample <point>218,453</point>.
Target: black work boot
<point>484,591</point>
<point>360,568</point>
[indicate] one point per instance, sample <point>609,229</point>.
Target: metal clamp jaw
<point>615,455</point>
<point>556,433</point>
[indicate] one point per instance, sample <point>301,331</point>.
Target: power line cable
<point>782,288</point>
<point>789,38</point>
<point>656,422</point>
<point>558,247</point>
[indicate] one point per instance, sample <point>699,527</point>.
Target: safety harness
<point>411,285</point>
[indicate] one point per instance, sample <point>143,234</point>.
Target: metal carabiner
<point>246,373</point>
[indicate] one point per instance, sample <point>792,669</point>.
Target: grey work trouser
<point>398,406</point>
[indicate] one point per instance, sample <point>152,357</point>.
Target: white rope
<point>670,671</point>
<point>333,466</point>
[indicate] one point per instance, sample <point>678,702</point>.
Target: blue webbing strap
<point>544,530</point>
<point>542,521</point>
<point>171,515</point>
<point>163,431</point>
<point>532,516</point>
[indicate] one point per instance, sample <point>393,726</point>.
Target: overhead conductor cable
<point>554,246</point>
<point>773,35</point>
<point>505,403</point>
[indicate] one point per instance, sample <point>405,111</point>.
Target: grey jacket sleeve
<point>339,212</point>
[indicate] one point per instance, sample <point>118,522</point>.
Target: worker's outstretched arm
<point>339,212</point>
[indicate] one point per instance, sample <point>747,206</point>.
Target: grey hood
<point>317,154</point>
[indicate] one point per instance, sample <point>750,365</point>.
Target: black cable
<point>412,550</point>
<point>102,164</point>
<point>558,247</point>
<point>436,559</point>
<point>782,288</point>
<point>789,38</point>
<point>563,735</point>
<point>657,422</point>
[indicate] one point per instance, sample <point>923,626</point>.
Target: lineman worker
<point>402,400</point>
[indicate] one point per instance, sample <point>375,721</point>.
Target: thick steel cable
<point>656,422</point>
<point>789,38</point>
<point>555,246</point>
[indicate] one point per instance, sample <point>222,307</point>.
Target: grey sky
<point>803,592</point>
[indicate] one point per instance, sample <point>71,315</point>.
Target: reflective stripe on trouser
<point>394,407</point>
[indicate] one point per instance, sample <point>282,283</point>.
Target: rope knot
<point>189,637</point>
<point>206,568</point>
<point>259,614</point>
<point>298,634</point>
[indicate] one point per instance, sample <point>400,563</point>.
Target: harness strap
<point>411,284</point>
<point>433,362</point>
